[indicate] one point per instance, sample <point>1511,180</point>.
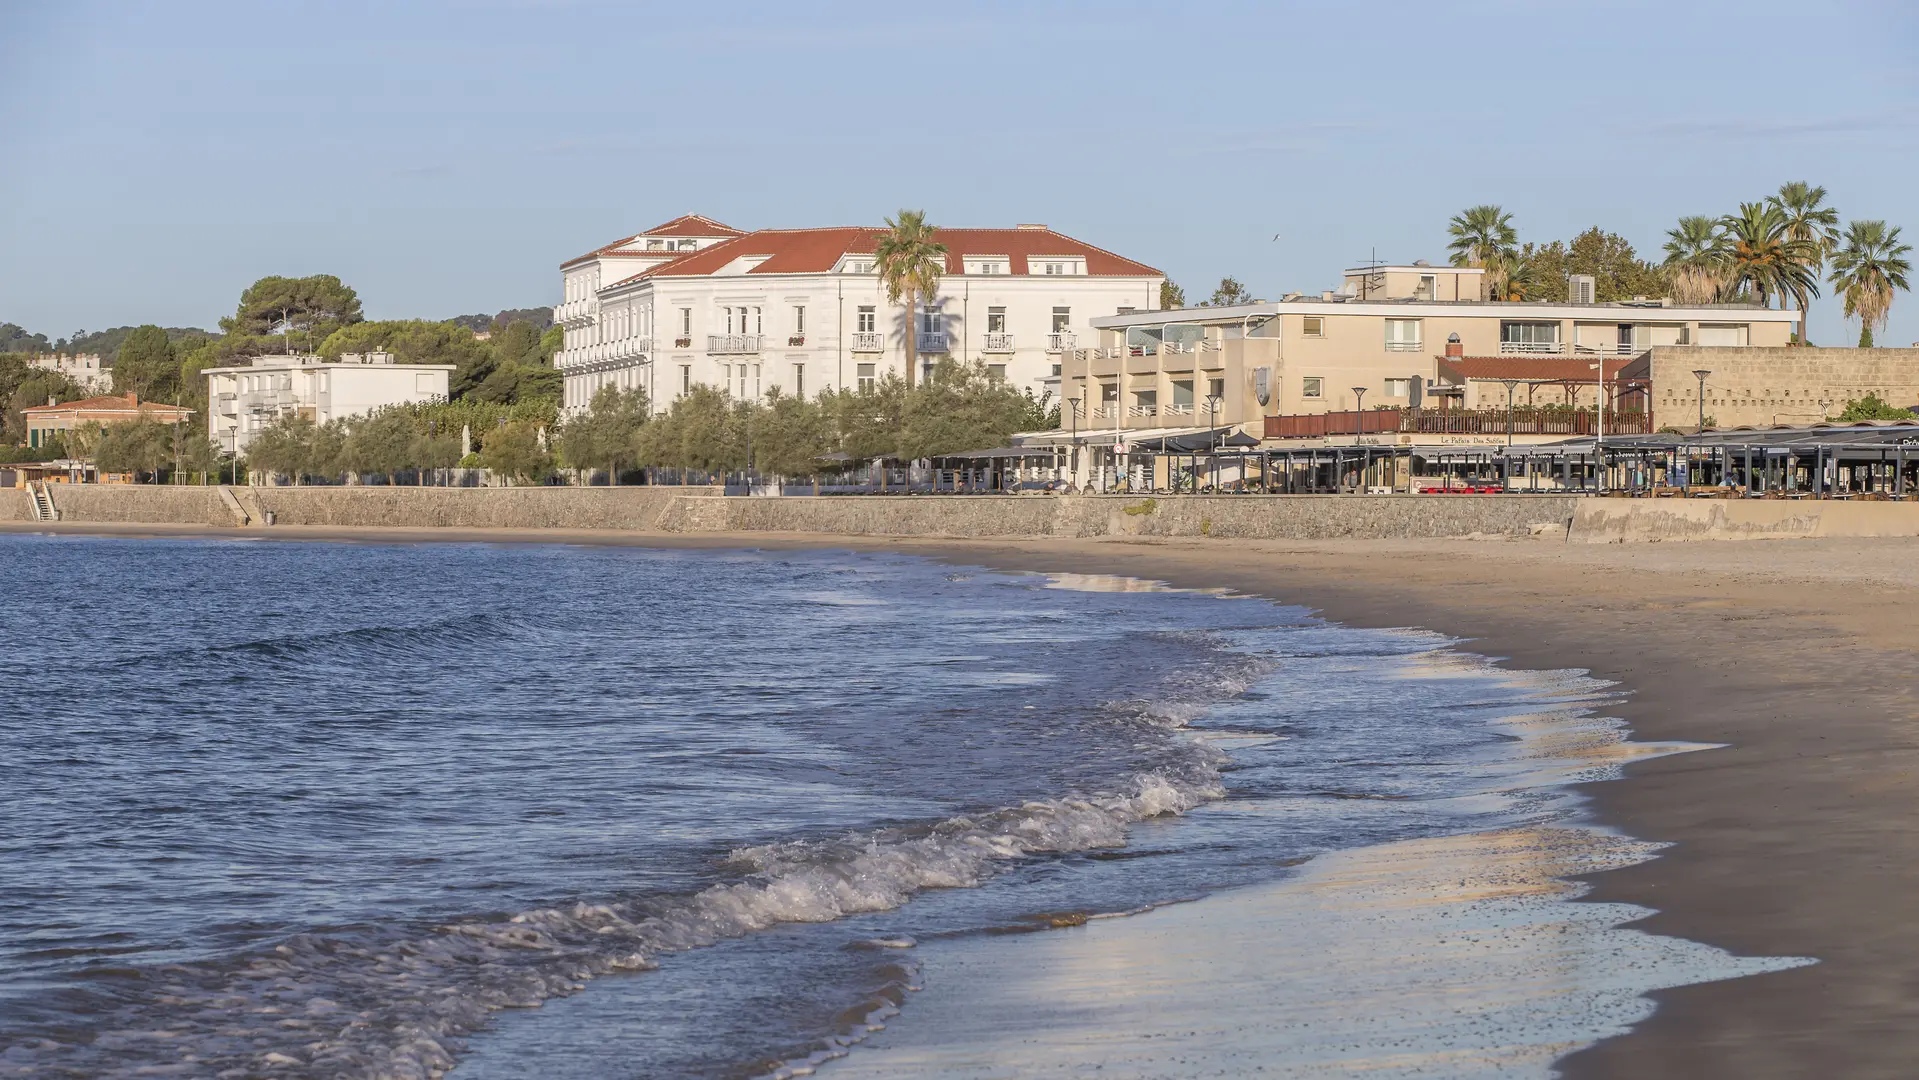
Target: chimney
<point>1454,349</point>
<point>52,401</point>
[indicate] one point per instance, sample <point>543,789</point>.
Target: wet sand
<point>1796,839</point>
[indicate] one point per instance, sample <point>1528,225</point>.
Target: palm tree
<point>1869,264</point>
<point>1808,220</point>
<point>1483,236</point>
<point>1518,278</point>
<point>1696,259</point>
<point>910,265</point>
<point>1764,259</point>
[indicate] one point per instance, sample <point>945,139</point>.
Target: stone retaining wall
<point>1606,521</point>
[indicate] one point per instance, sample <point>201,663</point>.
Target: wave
<point>398,1006</point>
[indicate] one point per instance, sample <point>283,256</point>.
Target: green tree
<point>1696,253</point>
<point>790,435</point>
<point>1483,236</point>
<point>23,386</point>
<point>15,339</point>
<point>1617,271</point>
<point>1873,407</point>
<point>960,408</point>
<point>284,446</point>
<point>135,446</point>
<point>911,262</point>
<point>147,366</point>
<point>606,434</point>
<point>514,451</point>
<point>1229,293</point>
<point>1868,267</point>
<point>1808,219</point>
<point>869,421</point>
<point>291,309</point>
<point>1171,296</point>
<point>382,441</point>
<point>412,341</point>
<point>1764,260</point>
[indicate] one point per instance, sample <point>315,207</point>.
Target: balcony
<point>1143,410</point>
<point>574,314</point>
<point>1176,409</point>
<point>1546,421</point>
<point>1106,412</point>
<point>997,342</point>
<point>1403,346</point>
<point>1531,348</point>
<point>733,344</point>
<point>868,341</point>
<point>934,341</point>
<point>1060,342</point>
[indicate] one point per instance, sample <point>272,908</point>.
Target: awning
<point>1137,438</point>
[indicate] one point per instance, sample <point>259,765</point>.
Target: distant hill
<point>106,343</point>
<point>540,317</point>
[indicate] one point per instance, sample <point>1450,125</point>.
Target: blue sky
<point>443,158</point>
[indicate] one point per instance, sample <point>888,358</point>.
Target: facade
<point>86,370</point>
<point>802,310</point>
<point>242,400</point>
<point>45,420</point>
<point>1768,386</point>
<point>1253,366</point>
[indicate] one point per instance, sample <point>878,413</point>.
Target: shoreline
<point>1789,841</point>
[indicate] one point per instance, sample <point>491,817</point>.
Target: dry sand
<point>1797,839</point>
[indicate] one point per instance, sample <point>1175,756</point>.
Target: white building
<point>242,400</point>
<point>695,302</point>
<point>84,369</point>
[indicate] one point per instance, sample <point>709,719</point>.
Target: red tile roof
<point>108,403</point>
<point>684,225</point>
<point>817,251</point>
<point>1533,368</point>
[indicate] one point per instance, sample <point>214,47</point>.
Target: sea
<point>273,808</point>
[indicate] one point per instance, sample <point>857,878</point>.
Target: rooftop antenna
<point>1371,267</point>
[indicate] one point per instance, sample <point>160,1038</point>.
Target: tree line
<point>958,407</point>
<point>1778,248</point>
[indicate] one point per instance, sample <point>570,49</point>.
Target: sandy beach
<point>1793,840</point>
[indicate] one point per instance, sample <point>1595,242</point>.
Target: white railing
<point>868,341</point>
<point>733,343</point>
<point>1625,348</point>
<point>1402,346</point>
<point>1179,410</point>
<point>574,314</point>
<point>998,342</point>
<point>1061,342</point>
<point>1143,410</point>
<point>1531,348</point>
<point>1106,412</point>
<point>932,342</point>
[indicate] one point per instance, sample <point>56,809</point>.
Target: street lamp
<point>1700,374</point>
<point>1599,431</point>
<point>1072,448</point>
<point>1213,402</point>
<point>1359,408</point>
<point>1511,385</point>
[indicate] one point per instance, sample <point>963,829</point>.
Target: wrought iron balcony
<point>934,341</point>
<point>868,341</point>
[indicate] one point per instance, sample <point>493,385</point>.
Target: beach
<point>1792,840</point>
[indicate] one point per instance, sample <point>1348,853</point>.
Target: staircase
<point>42,500</point>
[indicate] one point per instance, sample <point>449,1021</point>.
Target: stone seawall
<point>1605,521</point>
<point>1279,517</point>
<point>630,508</point>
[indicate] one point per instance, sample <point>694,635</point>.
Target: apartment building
<point>86,370</point>
<point>45,422</point>
<point>1381,339</point>
<point>693,302</point>
<point>242,400</point>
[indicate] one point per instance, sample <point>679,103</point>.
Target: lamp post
<point>1599,431</point>
<point>1700,374</point>
<point>1511,385</point>
<point>1072,448</point>
<point>1213,403</point>
<point>1359,432</point>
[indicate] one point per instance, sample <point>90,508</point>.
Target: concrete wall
<point>1765,386</point>
<point>635,508</point>
<point>1606,521</point>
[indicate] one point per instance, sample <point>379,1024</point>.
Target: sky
<point>444,158</point>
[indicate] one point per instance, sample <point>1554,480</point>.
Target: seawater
<point>385,810</point>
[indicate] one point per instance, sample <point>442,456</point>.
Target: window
<point>1313,326</point>
<point>1525,337</point>
<point>756,321</point>
<point>1402,335</point>
<point>799,380</point>
<point>1399,388</point>
<point>1127,309</point>
<point>1428,287</point>
<point>860,267</point>
<point>996,372</point>
<point>929,320</point>
<point>863,322</point>
<point>1061,317</point>
<point>996,320</point>
<point>686,322</point>
<point>799,319</point>
<point>1312,386</point>
<point>865,373</point>
<point>1722,335</point>
<point>1183,393</point>
<point>686,378</point>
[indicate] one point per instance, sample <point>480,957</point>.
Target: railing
<point>1403,346</point>
<point>868,341</point>
<point>733,344</point>
<point>574,313</point>
<point>998,342</point>
<point>1177,410</point>
<point>1106,412</point>
<point>1561,422</point>
<point>1060,342</point>
<point>1531,348</point>
<point>1143,410</point>
<point>932,341</point>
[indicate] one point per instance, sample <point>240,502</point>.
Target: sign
<point>1263,384</point>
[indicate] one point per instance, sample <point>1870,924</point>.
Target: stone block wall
<point>1763,387</point>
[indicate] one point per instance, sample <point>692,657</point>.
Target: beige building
<point>46,421</point>
<point>1275,369</point>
